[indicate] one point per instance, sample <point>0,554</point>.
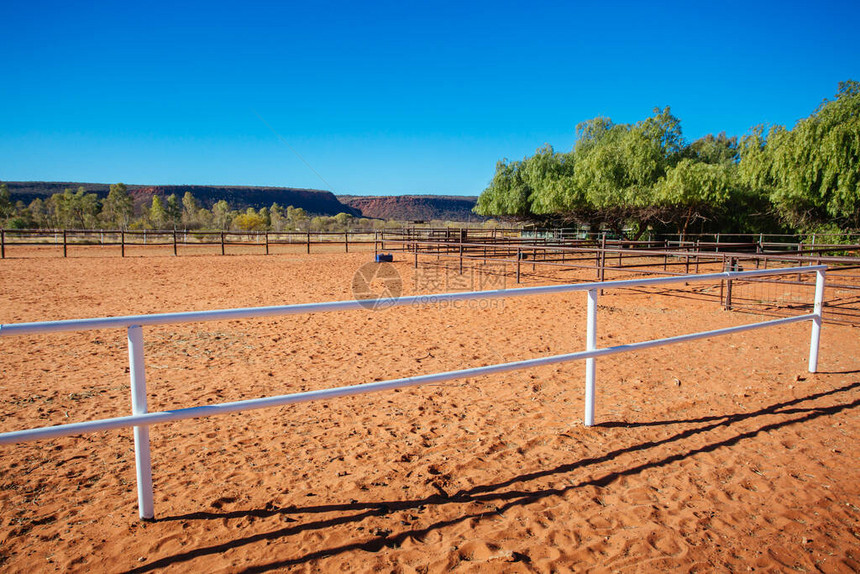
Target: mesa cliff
<point>415,207</point>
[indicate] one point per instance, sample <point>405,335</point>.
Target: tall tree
<point>190,211</point>
<point>618,166</point>
<point>118,207</point>
<point>277,219</point>
<point>507,194</point>
<point>158,213</point>
<point>39,213</point>
<point>5,201</point>
<point>550,177</point>
<point>221,215</point>
<point>695,190</point>
<point>174,211</point>
<point>250,220</point>
<point>76,209</point>
<point>811,172</point>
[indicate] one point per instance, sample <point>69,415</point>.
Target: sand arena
<point>721,454</point>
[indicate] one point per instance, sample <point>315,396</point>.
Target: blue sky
<point>390,97</point>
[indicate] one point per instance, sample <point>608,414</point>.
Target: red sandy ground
<point>714,455</point>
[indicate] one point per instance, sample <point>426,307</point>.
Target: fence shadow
<point>495,494</point>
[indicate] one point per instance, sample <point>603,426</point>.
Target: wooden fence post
<point>729,282</point>
<point>174,242</point>
<point>461,256</point>
<point>65,249</point>
<point>222,243</point>
<point>601,272</point>
<point>799,261</point>
<point>697,256</point>
<point>519,256</point>
<point>346,241</point>
<point>122,243</point>
<point>267,243</point>
<point>2,244</point>
<point>309,242</point>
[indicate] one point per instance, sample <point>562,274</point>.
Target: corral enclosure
<point>721,453</point>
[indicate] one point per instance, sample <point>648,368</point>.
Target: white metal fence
<point>140,419</point>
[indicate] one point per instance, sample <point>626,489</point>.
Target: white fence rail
<point>140,419</point>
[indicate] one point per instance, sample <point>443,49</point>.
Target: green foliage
<point>221,215</point>
<point>550,177</point>
<point>79,209</point>
<point>812,172</point>
<point>118,207</point>
<point>277,218</point>
<point>251,220</point>
<point>75,209</point>
<point>343,220</point>
<point>39,213</point>
<point>174,211</point>
<point>191,216</point>
<point>713,150</point>
<point>645,175</point>
<point>694,190</point>
<point>5,201</point>
<point>158,217</point>
<point>507,194</point>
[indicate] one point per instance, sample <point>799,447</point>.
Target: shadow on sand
<point>494,496</point>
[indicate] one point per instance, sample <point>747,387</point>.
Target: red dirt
<point>721,454</point>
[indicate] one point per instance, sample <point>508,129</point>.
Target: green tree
<point>711,149</point>
<point>508,193</point>
<point>158,216</point>
<point>76,209</point>
<point>812,172</point>
<point>297,217</point>
<point>318,223</point>
<point>277,218</point>
<point>39,213</point>
<point>174,211</point>
<point>342,220</point>
<point>5,201</point>
<point>618,166</point>
<point>266,216</point>
<point>550,177</point>
<point>251,220</point>
<point>696,190</point>
<point>20,217</point>
<point>118,207</point>
<point>204,219</point>
<point>222,216</point>
<point>190,217</point>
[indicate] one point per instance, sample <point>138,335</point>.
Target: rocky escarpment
<point>313,201</point>
<point>415,207</point>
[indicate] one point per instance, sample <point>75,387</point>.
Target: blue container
<point>384,257</point>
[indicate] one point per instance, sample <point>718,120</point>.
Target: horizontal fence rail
<point>140,419</point>
<point>619,259</point>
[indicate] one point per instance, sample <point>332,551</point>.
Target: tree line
<point>78,209</point>
<point>645,176</point>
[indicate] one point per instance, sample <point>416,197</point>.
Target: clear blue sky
<point>387,98</point>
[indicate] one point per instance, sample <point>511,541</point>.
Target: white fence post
<point>142,458</point>
<point>590,345</point>
<point>816,321</point>
<point>141,419</point>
